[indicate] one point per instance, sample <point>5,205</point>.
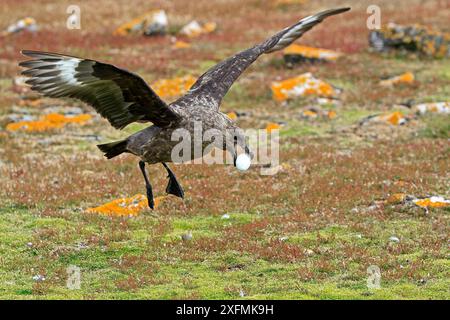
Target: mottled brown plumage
<point>123,97</point>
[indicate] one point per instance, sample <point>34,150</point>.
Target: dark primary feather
<point>212,86</point>
<point>118,95</point>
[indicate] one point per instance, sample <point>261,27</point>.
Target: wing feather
<point>120,96</point>
<point>215,83</point>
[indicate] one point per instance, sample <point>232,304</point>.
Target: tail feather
<point>113,149</point>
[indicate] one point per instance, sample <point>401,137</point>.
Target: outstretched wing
<point>118,95</point>
<point>212,86</point>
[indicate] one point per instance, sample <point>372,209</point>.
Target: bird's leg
<point>148,186</point>
<point>173,187</point>
<point>234,152</point>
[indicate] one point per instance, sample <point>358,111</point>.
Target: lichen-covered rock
<point>415,38</point>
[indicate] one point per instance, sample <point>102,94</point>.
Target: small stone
<point>186,236</point>
<point>63,110</point>
<point>372,208</point>
<point>284,238</point>
<point>394,239</point>
<point>421,282</point>
<point>82,245</point>
<point>225,216</point>
<point>38,278</point>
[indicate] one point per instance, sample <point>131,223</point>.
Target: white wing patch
<point>68,71</point>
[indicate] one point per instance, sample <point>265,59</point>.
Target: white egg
<point>243,162</point>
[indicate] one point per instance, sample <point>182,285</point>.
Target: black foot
<point>173,187</point>
<point>148,186</point>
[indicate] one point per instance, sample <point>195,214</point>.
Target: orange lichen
<point>400,183</point>
<point>315,113</point>
<point>48,122</point>
<point>181,45</point>
<point>432,202</point>
<point>309,114</point>
<point>311,52</point>
<point>30,102</point>
<point>195,29</point>
<point>396,198</point>
<point>303,85</point>
<point>406,78</point>
<point>209,27</point>
<point>33,126</point>
<point>394,118</point>
<point>173,87</point>
<point>140,23</point>
<point>232,115</point>
<point>331,114</point>
<point>272,126</point>
<point>125,206</point>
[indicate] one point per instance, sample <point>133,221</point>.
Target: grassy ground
<point>309,232</point>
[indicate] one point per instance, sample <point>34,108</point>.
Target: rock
<point>295,54</point>
<point>186,236</point>
<point>396,198</point>
<point>412,38</point>
<point>394,118</point>
<point>64,110</point>
<point>25,24</point>
<point>394,239</point>
<point>303,85</point>
<point>194,28</point>
<point>405,78</point>
<point>152,23</point>
<point>437,107</point>
<point>421,282</point>
<point>39,278</point>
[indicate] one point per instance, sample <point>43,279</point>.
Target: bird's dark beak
<point>249,153</point>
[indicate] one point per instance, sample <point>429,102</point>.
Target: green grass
<point>437,126</point>
<point>217,276</point>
